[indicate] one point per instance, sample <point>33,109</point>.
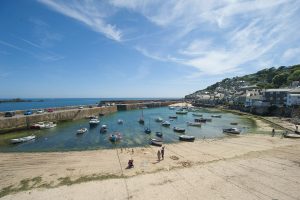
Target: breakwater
<point>19,122</point>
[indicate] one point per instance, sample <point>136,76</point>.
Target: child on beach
<point>162,152</point>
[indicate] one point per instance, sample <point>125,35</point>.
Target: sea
<point>42,103</point>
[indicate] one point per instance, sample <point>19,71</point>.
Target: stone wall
<point>22,122</point>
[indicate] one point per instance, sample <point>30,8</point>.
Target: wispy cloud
<point>86,12</point>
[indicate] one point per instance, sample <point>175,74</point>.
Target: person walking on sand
<point>158,155</point>
<point>273,132</point>
<point>162,152</point>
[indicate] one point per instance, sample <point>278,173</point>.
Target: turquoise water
<point>64,138</point>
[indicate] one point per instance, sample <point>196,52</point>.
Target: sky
<point>136,48</point>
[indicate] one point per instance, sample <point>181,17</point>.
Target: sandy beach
<point>251,166</point>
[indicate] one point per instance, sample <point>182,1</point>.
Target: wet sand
<point>240,167</point>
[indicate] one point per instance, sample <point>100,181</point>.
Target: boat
<point>159,134</point>
<point>50,125</point>
<point>159,119</point>
<point>179,130</point>
<point>216,116</point>
<point>171,108</point>
<point>166,123</point>
<point>115,137</point>
<point>188,138</point>
<point>173,117</point>
<point>200,120</point>
<point>208,119</point>
<point>234,123</point>
<point>197,114</point>
<point>181,112</point>
<point>198,124</point>
<point>82,130</point>
<point>232,131</point>
<point>94,122</point>
<point>120,121</point>
<point>141,120</point>
<point>103,128</point>
<point>91,117</point>
<point>39,125</point>
<point>147,130</point>
<point>156,142</point>
<point>292,135</point>
<point>22,139</point>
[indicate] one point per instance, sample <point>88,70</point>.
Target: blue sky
<point>135,48</point>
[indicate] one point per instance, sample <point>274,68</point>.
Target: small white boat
<point>197,114</point>
<point>173,117</point>
<point>22,139</point>
<point>181,112</point>
<point>171,108</point>
<point>188,138</point>
<point>82,130</point>
<point>39,125</point>
<point>94,121</point>
<point>232,131</point>
<point>178,129</point>
<point>291,135</point>
<point>103,128</point>
<point>50,125</point>
<point>198,124</point>
<point>156,142</point>
<point>120,121</point>
<point>159,119</point>
<point>166,123</point>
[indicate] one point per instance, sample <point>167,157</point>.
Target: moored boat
<point>103,128</point>
<point>291,135</point>
<point>234,123</point>
<point>22,139</point>
<point>181,112</point>
<point>159,134</point>
<point>216,116</point>
<point>171,108</point>
<point>147,130</point>
<point>94,122</point>
<point>198,124</point>
<point>81,131</point>
<point>232,131</point>
<point>179,130</point>
<point>39,125</point>
<point>156,142</point>
<point>159,119</point>
<point>197,114</point>
<point>173,117</point>
<point>120,121</point>
<point>200,120</point>
<point>188,138</point>
<point>166,123</point>
<point>115,137</point>
<point>50,125</point>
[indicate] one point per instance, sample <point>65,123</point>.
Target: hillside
<point>266,78</point>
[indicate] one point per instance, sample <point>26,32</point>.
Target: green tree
<point>280,79</point>
<point>295,76</point>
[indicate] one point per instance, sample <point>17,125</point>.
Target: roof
<point>278,90</point>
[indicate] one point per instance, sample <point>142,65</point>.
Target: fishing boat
<point>22,139</point>
<point>156,142</point>
<point>159,119</point>
<point>50,125</point>
<point>232,131</point>
<point>173,117</point>
<point>188,138</point>
<point>94,122</point>
<point>179,130</point>
<point>159,134</point>
<point>115,137</point>
<point>198,124</point>
<point>216,116</point>
<point>81,131</point>
<point>234,123</point>
<point>103,128</point>
<point>166,123</point>
<point>181,112</point>
<point>197,114</point>
<point>39,125</point>
<point>120,121</point>
<point>291,135</point>
<point>147,130</point>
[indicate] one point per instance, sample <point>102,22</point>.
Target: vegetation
<point>17,100</point>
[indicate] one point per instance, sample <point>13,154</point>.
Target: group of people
<point>161,153</point>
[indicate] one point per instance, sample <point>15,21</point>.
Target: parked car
<point>49,110</point>
<point>9,114</point>
<point>90,106</point>
<point>28,112</point>
<point>40,111</point>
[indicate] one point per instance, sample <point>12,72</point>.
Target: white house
<point>293,97</point>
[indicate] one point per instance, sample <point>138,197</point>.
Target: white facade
<point>293,99</point>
